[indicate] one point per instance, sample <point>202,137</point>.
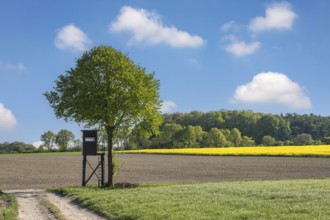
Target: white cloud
<point>230,26</point>
<point>240,48</point>
<point>9,67</point>
<point>272,88</point>
<point>146,27</point>
<point>72,38</point>
<point>168,106</point>
<point>7,119</point>
<point>279,16</point>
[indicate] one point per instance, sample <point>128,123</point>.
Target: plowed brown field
<point>40,172</point>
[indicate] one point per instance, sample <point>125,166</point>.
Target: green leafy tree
<point>284,130</point>
<point>176,118</point>
<point>268,140</point>
<point>303,139</point>
<point>267,125</point>
<point>211,120</point>
<point>235,137</point>
<point>190,136</point>
<point>49,139</point>
<point>214,138</point>
<point>326,140</point>
<point>193,118</point>
<point>245,121</point>
<point>107,89</point>
<point>63,139</point>
<point>247,141</point>
<point>166,137</point>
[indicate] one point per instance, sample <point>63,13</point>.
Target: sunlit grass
<point>300,151</point>
<point>284,199</point>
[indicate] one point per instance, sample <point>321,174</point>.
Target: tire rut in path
<point>30,206</point>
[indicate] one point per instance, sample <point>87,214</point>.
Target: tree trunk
<point>109,131</point>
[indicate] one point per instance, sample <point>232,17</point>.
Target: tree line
<point>62,141</point>
<point>226,128</point>
<point>17,147</point>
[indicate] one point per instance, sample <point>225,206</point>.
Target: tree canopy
<point>64,138</point>
<point>49,139</point>
<point>107,89</point>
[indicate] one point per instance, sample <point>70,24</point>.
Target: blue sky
<point>265,56</point>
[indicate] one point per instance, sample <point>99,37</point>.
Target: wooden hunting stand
<point>90,149</point>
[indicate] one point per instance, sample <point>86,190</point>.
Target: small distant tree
<point>166,137</point>
<point>49,139</point>
<point>214,138</point>
<point>63,139</point>
<point>303,139</point>
<point>76,145</point>
<point>247,141</point>
<point>268,140</point>
<point>326,140</point>
<point>190,136</point>
<point>235,137</point>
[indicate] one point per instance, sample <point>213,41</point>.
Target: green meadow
<point>282,199</point>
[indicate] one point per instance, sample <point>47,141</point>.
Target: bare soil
<point>42,172</point>
<point>30,175</point>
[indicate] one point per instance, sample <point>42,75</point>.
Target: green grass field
<point>284,199</point>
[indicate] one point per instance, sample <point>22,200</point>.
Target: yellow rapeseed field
<point>314,151</point>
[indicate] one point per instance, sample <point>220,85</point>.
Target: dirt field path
<point>35,204</point>
<point>29,204</point>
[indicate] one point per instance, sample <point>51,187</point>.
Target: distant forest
<point>226,128</point>
<point>16,147</point>
<point>64,140</point>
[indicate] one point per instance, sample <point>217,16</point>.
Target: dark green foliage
<point>16,147</point>
<point>303,139</point>
<point>63,139</point>
<point>268,141</point>
<point>252,127</point>
<point>247,141</point>
<point>166,137</point>
<point>326,140</point>
<point>315,125</point>
<point>190,137</point>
